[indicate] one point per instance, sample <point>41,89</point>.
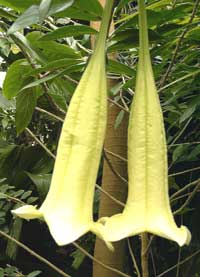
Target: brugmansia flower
<point>68,206</point>
<point>147,208</point>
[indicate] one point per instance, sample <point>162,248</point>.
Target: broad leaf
<point>14,79</point>
<point>25,105</point>
<point>68,31</point>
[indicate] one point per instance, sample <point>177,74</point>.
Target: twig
<point>184,171</point>
<point>123,101</point>
<point>181,132</point>
<point>33,253</point>
<point>184,188</point>
<point>113,170</point>
<point>184,143</point>
<point>187,200</point>
<point>178,80</point>
<point>153,262</point>
<point>49,113</point>
<point>14,199</point>
<point>98,261</point>
<point>144,255</point>
<point>180,263</point>
<point>133,258</point>
<point>115,155</point>
<point>163,80</point>
<point>118,105</point>
<point>40,143</point>
<point>109,195</point>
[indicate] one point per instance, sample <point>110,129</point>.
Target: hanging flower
<point>68,207</point>
<point>148,207</point>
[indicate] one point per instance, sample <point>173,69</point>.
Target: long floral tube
<point>148,207</point>
<point>68,207</point>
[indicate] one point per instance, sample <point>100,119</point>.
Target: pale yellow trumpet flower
<point>148,207</point>
<point>68,207</point>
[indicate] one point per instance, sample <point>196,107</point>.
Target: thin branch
<point>33,253</point>
<point>184,171</point>
<point>11,198</point>
<point>113,169</point>
<point>123,101</point>
<point>153,262</point>
<point>184,143</point>
<point>110,196</point>
<point>181,132</point>
<point>115,155</point>
<point>50,114</point>
<point>180,263</point>
<point>168,71</point>
<point>181,196</point>
<point>178,80</point>
<point>187,200</point>
<point>184,188</point>
<point>40,143</point>
<point>133,258</point>
<point>118,105</point>
<point>145,255</point>
<point>99,262</point>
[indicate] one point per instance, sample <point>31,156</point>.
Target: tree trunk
<point>116,142</point>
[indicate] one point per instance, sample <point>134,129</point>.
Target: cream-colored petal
<point>148,207</point>
<point>68,207</point>
<point>27,212</point>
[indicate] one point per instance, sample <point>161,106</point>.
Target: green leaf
<point>14,79</point>
<point>119,68</point>
<point>34,14</point>
<point>52,76</point>
<point>34,273</point>
<point>78,258</point>
<point>4,47</point>
<point>157,4</point>
<point>187,113</point>
<point>6,104</point>
<point>29,17</point>
<point>119,119</point>
<point>44,9</point>
<point>3,196</point>
<point>60,6</point>
<point>18,5</point>
<point>51,49</point>
<point>68,31</point>
<point>61,63</point>
<point>179,150</point>
<point>122,3</point>
<point>25,105</point>
<point>85,10</point>
<point>14,231</point>
<point>6,14</point>
<point>42,183</point>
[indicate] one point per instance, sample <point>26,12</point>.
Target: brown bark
<point>116,142</point>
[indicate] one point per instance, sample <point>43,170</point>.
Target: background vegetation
<point>44,50</point>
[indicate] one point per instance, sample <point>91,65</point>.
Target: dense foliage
<point>45,49</point>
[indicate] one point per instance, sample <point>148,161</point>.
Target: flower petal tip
<point>99,229</point>
<point>187,236</point>
<point>27,212</point>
